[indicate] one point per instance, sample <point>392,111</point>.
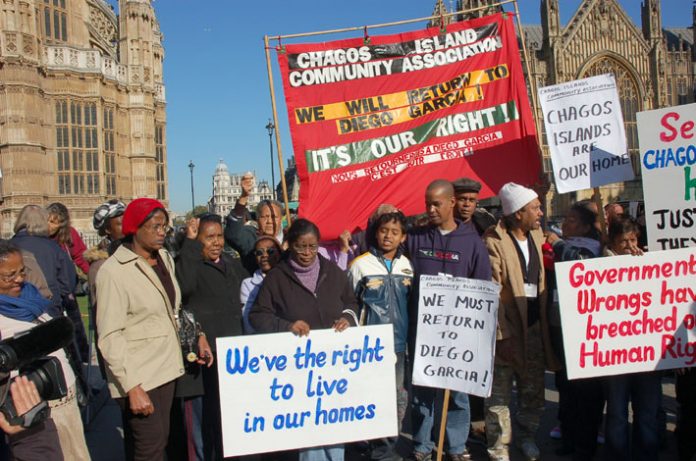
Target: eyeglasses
<point>8,278</point>
<point>265,251</point>
<point>306,248</point>
<point>158,228</point>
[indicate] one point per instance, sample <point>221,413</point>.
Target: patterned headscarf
<point>107,210</point>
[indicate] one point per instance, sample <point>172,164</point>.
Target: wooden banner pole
<point>443,426</point>
<point>277,132</point>
<point>597,198</point>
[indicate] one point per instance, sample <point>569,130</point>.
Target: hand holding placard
<point>328,380</point>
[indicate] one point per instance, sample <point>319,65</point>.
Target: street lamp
<point>270,127</point>
<point>193,200</point>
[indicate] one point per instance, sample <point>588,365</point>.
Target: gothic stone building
<point>654,67</point>
<point>82,106</point>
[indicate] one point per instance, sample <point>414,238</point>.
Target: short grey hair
<point>34,220</point>
<point>264,203</point>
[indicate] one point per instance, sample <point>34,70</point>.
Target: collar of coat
<point>126,256</point>
<point>500,231</point>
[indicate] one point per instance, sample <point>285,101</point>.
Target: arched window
<point>629,97</point>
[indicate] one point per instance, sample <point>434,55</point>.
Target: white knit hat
<point>513,197</point>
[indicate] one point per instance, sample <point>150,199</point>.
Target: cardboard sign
<point>668,153</point>
<point>627,314</point>
<point>585,133</point>
<point>376,121</point>
<point>281,391</point>
<point>455,344</point>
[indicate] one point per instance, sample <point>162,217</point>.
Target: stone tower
<point>651,18</point>
<point>485,5</point>
<point>82,106</point>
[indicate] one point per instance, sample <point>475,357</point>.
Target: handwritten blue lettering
<point>309,359</point>
<point>342,415</point>
<point>241,364</point>
<point>323,387</point>
<point>356,357</point>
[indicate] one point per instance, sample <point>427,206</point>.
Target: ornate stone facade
<point>228,187</point>
<point>82,106</point>
<point>654,67</point>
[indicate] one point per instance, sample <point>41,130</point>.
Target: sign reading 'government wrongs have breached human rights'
<point>374,120</point>
<point>280,391</point>
<point>628,314</point>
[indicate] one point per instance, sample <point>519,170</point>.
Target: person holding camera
<point>39,440</point>
<point>22,308</point>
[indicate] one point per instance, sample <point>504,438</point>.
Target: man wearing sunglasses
<point>241,237</point>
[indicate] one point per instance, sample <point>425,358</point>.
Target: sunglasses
<point>265,251</point>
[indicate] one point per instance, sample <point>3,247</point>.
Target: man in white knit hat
<point>514,246</point>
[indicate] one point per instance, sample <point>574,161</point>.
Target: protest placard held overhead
<point>668,154</point>
<point>585,132</point>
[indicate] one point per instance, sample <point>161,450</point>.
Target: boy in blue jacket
<point>382,278</point>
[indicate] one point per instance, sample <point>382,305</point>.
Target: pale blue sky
<point>218,99</point>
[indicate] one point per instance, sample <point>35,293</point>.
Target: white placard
<point>628,314</point>
<point>280,391</point>
<point>585,133</point>
<point>668,152</point>
<point>455,343</point>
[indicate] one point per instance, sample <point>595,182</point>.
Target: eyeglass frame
<point>313,249</point>
<point>23,272</point>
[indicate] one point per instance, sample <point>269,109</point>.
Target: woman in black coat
<point>210,282</point>
<point>302,293</point>
<point>305,291</point>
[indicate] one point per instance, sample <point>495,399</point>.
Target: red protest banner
<point>375,121</point>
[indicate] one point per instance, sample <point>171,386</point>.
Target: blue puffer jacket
<point>382,293</point>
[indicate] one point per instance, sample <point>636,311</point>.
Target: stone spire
<point>440,10</point>
<point>464,5</point>
<point>140,42</point>
<point>550,21</point>
<point>651,18</point>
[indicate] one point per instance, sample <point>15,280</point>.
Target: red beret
<point>136,212</point>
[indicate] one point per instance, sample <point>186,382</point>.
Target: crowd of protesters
<point>245,274</point>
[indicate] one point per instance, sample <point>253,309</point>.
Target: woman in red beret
<point>137,329</point>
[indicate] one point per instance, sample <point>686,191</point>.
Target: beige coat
<point>512,313</point>
<point>137,330</point>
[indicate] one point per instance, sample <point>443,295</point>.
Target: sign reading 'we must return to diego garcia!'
<point>456,334</point>
<point>281,392</point>
<point>628,314</point>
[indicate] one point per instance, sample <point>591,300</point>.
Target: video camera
<point>26,352</point>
